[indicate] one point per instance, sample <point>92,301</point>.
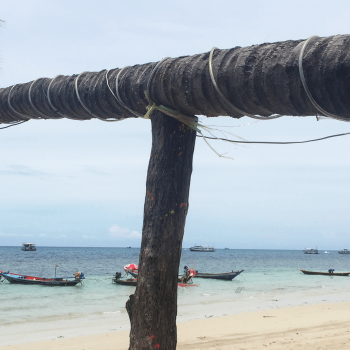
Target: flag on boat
<point>192,272</point>
<point>131,267</point>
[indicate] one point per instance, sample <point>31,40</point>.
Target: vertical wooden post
<point>154,305</point>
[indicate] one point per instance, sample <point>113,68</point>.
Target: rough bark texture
<point>153,319</point>
<point>260,79</point>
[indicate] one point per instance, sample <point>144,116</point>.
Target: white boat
<point>344,251</point>
<point>202,248</point>
<point>310,251</point>
<point>29,247</point>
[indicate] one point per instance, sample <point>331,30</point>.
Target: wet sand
<point>319,326</point>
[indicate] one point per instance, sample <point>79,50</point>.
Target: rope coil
<point>303,81</point>
<point>110,89</point>
<point>51,104</point>
<point>139,115</point>
<point>148,93</point>
<point>49,100</point>
<point>223,97</point>
<point>81,102</point>
<point>31,102</point>
<point>9,103</point>
<point>83,105</point>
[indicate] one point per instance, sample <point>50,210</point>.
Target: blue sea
<point>270,280</point>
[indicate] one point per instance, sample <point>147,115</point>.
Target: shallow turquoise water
<point>268,274</point>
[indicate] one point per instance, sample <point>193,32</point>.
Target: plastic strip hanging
<point>83,105</point>
<point>9,103</point>
<point>276,142</point>
<point>303,81</point>
<point>239,111</point>
<point>139,115</point>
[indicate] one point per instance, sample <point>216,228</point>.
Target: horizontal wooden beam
<point>260,79</point>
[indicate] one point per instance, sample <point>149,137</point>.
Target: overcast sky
<point>73,183</point>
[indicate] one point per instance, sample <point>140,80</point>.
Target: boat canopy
<point>131,267</point>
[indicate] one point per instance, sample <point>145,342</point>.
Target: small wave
<point>206,294</point>
<point>112,312</point>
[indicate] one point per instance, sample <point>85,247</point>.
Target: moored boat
<point>202,248</point>
<point>28,247</point>
<point>344,251</point>
<point>24,279</point>
<point>228,276</point>
<point>324,273</point>
<point>128,282</point>
<point>310,251</point>
<point>133,281</point>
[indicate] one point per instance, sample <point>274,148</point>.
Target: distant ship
<point>28,247</point>
<point>227,248</point>
<point>344,251</point>
<point>202,248</point>
<point>310,251</point>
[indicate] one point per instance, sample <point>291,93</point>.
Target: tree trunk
<point>154,308</point>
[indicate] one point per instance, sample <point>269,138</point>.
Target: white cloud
<point>119,232</point>
<point>135,234</point>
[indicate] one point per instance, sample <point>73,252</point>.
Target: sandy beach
<point>320,326</point>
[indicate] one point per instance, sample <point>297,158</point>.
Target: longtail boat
<point>24,279</point>
<point>228,276</point>
<point>324,273</point>
<point>128,282</point>
<point>133,282</point>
